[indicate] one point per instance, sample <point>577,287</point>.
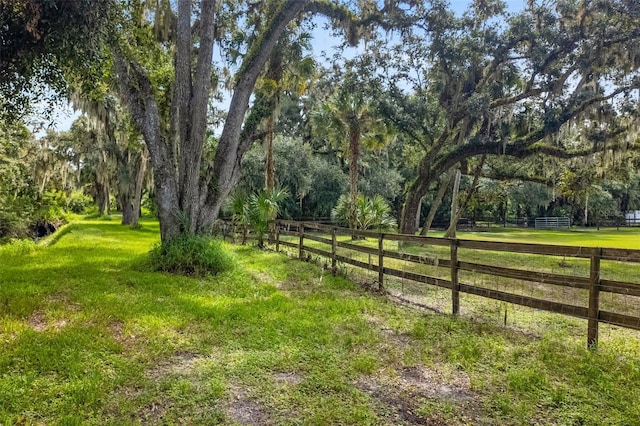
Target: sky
<point>322,41</point>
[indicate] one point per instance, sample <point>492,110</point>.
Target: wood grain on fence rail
<point>619,287</point>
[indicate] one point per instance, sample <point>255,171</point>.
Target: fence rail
<point>304,231</point>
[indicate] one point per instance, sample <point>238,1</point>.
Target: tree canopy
<point>46,45</point>
<point>492,102</point>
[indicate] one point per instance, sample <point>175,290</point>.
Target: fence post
<point>594,298</point>
<point>277,237</point>
<point>333,251</point>
<point>455,285</point>
<point>381,262</point>
<point>300,245</point>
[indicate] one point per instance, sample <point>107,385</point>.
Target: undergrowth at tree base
<point>193,255</point>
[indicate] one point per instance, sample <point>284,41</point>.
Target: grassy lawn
<point>585,237</point>
<point>88,335</point>
<point>473,306</point>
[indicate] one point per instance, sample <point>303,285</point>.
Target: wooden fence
<point>303,231</point>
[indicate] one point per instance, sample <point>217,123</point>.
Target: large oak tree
<point>189,190</point>
<point>490,83</point>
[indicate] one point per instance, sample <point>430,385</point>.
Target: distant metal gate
<point>552,222</point>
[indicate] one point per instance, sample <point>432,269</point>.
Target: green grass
<point>89,335</point>
<point>586,237</point>
<point>473,306</point>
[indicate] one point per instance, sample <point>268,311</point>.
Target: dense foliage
<point>45,45</point>
<point>447,116</point>
<point>28,207</point>
<point>370,213</point>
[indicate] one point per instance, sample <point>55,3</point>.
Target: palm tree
<point>288,70</point>
<point>372,213</point>
<point>350,120</point>
<point>263,208</point>
<point>256,211</point>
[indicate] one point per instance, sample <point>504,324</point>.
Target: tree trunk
<point>416,190</point>
<point>132,194</point>
<point>137,196</point>
<point>102,197</point>
<point>138,93</point>
<point>419,212</point>
<point>451,231</point>
<point>437,201</point>
<point>354,155</point>
<point>270,171</point>
<point>274,73</point>
<point>189,202</point>
<point>411,206</point>
<point>224,173</point>
<point>586,210</point>
<point>126,206</point>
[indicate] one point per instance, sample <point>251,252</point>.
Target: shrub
<point>371,213</point>
<point>12,225</point>
<point>78,202</point>
<point>256,210</point>
<point>19,247</point>
<point>50,207</point>
<point>149,206</point>
<point>191,255</point>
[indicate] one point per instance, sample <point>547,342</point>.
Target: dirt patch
<point>291,285</point>
<point>397,407</point>
<point>59,324</point>
<point>431,383</point>
<point>181,363</point>
<point>244,410</point>
<point>130,392</point>
<point>122,336</point>
<point>117,330</point>
<point>288,378</point>
<point>38,322</point>
<point>153,413</point>
<point>402,396</point>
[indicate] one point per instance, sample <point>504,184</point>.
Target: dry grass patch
<point>288,378</point>
<point>245,410</point>
<point>404,394</point>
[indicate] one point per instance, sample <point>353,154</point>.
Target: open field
<point>557,281</point>
<point>88,335</point>
<point>586,237</point>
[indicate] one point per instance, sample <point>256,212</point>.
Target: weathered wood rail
<point>594,315</point>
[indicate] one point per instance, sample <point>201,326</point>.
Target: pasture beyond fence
<point>590,287</point>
